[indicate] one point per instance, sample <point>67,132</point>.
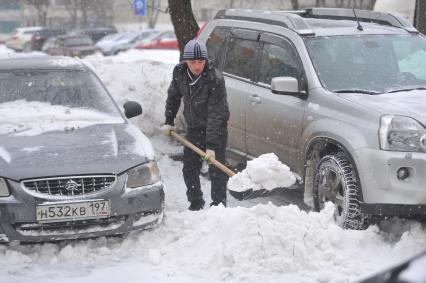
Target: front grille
<point>70,186</point>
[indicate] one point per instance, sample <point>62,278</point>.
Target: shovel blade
<point>249,194</point>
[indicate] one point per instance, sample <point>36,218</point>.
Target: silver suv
<point>338,94</point>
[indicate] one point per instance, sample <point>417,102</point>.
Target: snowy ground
<point>246,242</point>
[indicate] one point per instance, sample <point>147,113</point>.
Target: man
<point>202,88</point>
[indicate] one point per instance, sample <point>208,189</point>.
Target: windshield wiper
<point>406,89</point>
<point>354,90</point>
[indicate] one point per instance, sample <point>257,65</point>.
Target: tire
<point>336,180</point>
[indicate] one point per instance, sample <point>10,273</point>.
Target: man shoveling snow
<point>261,176</point>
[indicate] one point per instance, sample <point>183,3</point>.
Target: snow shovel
<point>243,195</point>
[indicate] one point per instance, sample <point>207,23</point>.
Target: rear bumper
<point>385,209</point>
<point>134,209</point>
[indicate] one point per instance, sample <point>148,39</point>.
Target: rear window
<point>75,41</point>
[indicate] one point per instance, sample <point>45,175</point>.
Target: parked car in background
<point>70,45</point>
<point>20,38</point>
<point>39,37</point>
<point>115,43</point>
<point>71,164</point>
<point>164,40</point>
<point>338,95</point>
<point>95,33</point>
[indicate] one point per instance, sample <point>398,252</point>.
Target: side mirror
<point>285,85</point>
<point>132,109</point>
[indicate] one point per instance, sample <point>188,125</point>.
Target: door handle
<point>254,99</point>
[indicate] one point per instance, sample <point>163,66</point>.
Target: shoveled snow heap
<point>265,172</point>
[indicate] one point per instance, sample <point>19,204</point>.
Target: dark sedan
<point>71,165</point>
<point>70,45</point>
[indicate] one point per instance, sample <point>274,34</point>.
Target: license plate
<point>62,211</point>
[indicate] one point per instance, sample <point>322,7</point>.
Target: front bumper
<point>133,209</point>
<point>381,188</point>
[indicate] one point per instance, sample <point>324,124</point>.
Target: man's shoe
<point>215,203</point>
<point>197,205</point>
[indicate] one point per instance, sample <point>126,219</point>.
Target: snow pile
<point>7,53</point>
<point>263,243</point>
<point>39,117</point>
<point>276,244</point>
<point>265,172</point>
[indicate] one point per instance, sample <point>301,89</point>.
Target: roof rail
<point>294,20</point>
<point>389,19</point>
<point>288,20</point>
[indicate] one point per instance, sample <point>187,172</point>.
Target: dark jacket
<point>205,104</point>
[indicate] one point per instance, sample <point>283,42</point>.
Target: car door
<point>274,121</point>
<point>238,69</point>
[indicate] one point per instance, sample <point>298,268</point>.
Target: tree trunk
<point>320,3</point>
<point>42,7</point>
<point>184,22</point>
<point>295,4</point>
<point>83,8</point>
<point>420,16</point>
<point>72,8</point>
<point>153,13</point>
<point>371,5</point>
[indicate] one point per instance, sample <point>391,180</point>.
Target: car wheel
<point>336,180</point>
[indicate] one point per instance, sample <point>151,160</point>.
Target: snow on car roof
<point>41,62</point>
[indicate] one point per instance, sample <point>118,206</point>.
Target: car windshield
<point>68,88</point>
<point>369,63</point>
<point>77,41</point>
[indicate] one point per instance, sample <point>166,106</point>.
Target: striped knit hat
<point>195,49</point>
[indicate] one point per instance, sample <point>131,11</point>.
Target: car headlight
<point>399,133</point>
<point>143,175</point>
<point>4,191</point>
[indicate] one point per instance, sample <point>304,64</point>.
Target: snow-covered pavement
<point>246,242</point>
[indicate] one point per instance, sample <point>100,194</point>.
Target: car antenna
<point>359,27</point>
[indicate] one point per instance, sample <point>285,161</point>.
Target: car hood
<point>105,44</point>
<point>97,149</point>
<point>407,103</point>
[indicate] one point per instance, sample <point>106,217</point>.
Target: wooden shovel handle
<point>213,161</point>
